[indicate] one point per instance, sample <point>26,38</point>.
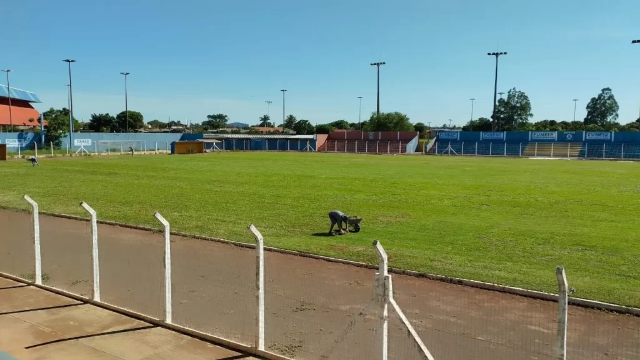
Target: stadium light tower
<point>269,102</point>
<point>575,107</point>
<point>9,97</point>
<point>636,42</point>
<point>126,99</point>
<point>472,101</point>
<point>283,102</point>
<point>377,64</point>
<point>69,61</point>
<point>360,113</point>
<point>495,89</point>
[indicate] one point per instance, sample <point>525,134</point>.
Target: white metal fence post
<point>95,259</point>
<point>156,147</point>
<point>388,146</point>
<point>19,157</point>
<point>120,147</point>
<point>335,145</point>
<point>520,153</point>
<point>95,148</point>
<point>569,151</point>
<point>563,304</point>
<point>476,148</point>
<point>378,143</point>
<point>436,148</point>
<point>462,148</point>
<point>586,149</point>
<point>50,144</point>
<point>604,150</point>
<point>67,147</point>
<point>36,240</point>
<point>366,146</point>
<point>490,148</point>
<point>288,144</point>
<point>35,146</point>
<point>623,151</point>
<point>400,148</point>
<point>382,296</point>
<point>505,148</point>
<point>167,150</point>
<point>259,341</point>
<point>551,149</point>
<point>535,154</point>
<point>167,268</point>
<point>449,148</point>
<point>356,146</point>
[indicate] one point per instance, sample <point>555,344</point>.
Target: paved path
<point>37,324</point>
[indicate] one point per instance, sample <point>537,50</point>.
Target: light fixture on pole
<point>283,109</point>
<point>69,61</point>
<point>500,93</point>
<point>377,64</point>
<point>450,121</point>
<point>575,107</point>
<point>9,97</point>
<point>495,89</point>
<point>126,100</point>
<point>472,101</point>
<point>360,113</point>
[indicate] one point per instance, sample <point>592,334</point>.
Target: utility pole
<point>377,64</point>
<point>495,89</point>
<point>472,101</point>
<point>69,61</point>
<point>126,100</point>
<point>269,102</point>
<point>360,114</point>
<point>575,106</point>
<point>9,97</point>
<point>283,108</point>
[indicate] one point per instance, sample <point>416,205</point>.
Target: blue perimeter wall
<point>164,140</point>
<point>541,136</point>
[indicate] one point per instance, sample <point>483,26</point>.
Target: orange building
<point>21,109</point>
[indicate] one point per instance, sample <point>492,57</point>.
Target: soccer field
<point>507,221</point>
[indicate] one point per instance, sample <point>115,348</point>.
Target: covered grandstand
<point>16,109</point>
<point>548,144</point>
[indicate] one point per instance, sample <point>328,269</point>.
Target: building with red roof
<point>21,110</point>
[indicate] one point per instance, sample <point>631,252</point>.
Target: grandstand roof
<point>19,94</point>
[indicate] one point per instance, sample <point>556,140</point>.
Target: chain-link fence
<point>287,306</point>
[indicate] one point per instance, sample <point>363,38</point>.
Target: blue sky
<point>191,58</point>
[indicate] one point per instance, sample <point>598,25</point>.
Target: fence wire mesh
<point>214,288</point>
<point>457,322</point>
<point>319,310</point>
<point>132,269</point>
<point>66,254</point>
<point>601,335</point>
<point>16,244</point>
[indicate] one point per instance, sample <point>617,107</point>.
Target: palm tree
<point>264,121</point>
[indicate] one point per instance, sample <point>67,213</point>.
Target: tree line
<point>514,113</point>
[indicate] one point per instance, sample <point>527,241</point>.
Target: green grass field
<point>508,221</point>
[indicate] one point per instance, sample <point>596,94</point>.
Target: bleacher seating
<point>605,150</point>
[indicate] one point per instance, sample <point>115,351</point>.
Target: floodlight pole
<point>283,109</point>
<point>495,89</point>
<point>472,101</point>
<point>126,100</point>
<point>575,107</point>
<point>360,114</point>
<point>268,107</point>
<point>9,97</point>
<point>377,64</point>
<point>636,42</point>
<point>69,61</point>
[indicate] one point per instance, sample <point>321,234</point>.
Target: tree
<point>481,124</point>
<point>290,122</point>
<point>419,127</point>
<point>216,121</point>
<point>157,124</point>
<point>513,111</point>
<point>304,127</point>
<point>265,121</point>
<point>340,125</point>
<point>136,121</point>
<point>393,121</point>
<point>324,129</point>
<point>602,109</point>
<point>102,123</point>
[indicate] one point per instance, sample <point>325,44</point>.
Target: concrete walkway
<point>37,324</point>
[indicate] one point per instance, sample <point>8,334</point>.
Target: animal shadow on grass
<point>323,234</point>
